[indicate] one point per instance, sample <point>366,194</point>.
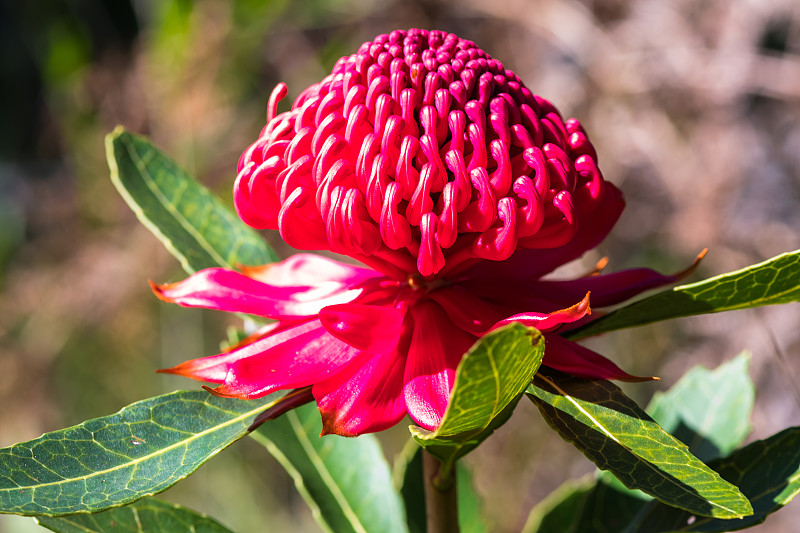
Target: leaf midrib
<point>148,180</point>
<point>495,411</point>
<point>610,435</point>
<point>160,451</point>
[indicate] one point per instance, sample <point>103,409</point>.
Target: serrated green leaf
<point>767,472</point>
<point>775,281</point>
<point>194,225</point>
<point>615,434</point>
<point>149,515</point>
<point>346,481</point>
<point>106,462</point>
<point>409,480</point>
<point>709,410</point>
<point>489,381</point>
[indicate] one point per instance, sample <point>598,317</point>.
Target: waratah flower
<point>427,160</point>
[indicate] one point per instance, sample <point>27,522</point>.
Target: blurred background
<point>694,108</point>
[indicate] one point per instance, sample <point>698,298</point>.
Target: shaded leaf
<point>561,509</point>
<point>599,505</point>
<point>766,471</point>
<point>194,225</point>
<point>408,474</point>
<point>489,381</point>
<point>409,481</point>
<point>143,449</point>
<point>470,506</point>
<point>775,281</point>
<point>615,434</point>
<point>709,410</point>
<point>346,481</point>
<point>149,515</point>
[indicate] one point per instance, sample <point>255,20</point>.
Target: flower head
<point>421,154</point>
<point>430,162</point>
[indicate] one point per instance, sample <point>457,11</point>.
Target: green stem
<point>441,502</point>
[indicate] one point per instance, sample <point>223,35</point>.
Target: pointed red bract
<point>370,328</point>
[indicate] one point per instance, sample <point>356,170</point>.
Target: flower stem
<point>441,502</point>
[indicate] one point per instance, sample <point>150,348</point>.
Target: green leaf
<point>599,505</point>
<point>489,382</point>
<point>143,449</point>
<point>709,410</point>
<point>470,506</point>
<point>767,472</point>
<point>149,515</point>
<point>346,481</point>
<point>561,509</point>
<point>194,225</point>
<point>409,481</point>
<point>408,474</point>
<point>775,281</point>
<point>614,433</point>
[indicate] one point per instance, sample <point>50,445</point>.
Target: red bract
<point>430,162</point>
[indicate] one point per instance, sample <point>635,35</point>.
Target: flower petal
<point>308,269</point>
<point>550,321</point>
<point>214,368</point>
<point>228,290</point>
<point>365,396</point>
<point>582,362</point>
<point>473,315</point>
<point>606,289</point>
<point>529,265</point>
<point>373,328</point>
<point>437,347</point>
<point>295,357</point>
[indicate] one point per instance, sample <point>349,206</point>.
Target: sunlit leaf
<point>194,225</point>
<point>346,481</point>
<point>489,382</point>
<point>149,515</point>
<point>766,471</point>
<point>613,432</point>
<point>709,410</point>
<point>775,281</point>
<point>143,449</point>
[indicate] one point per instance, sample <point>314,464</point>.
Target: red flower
<point>430,162</point>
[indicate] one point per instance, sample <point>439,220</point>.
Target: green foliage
<point>149,515</point>
<point>489,381</point>
<point>615,434</point>
<point>766,471</point>
<point>346,482</point>
<point>775,281</point>
<point>105,462</point>
<point>708,410</point>
<point>194,225</point>
<point>408,474</point>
